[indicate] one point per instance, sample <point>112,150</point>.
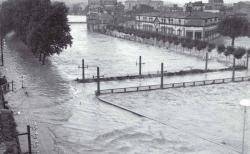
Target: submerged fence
<point>172,85</point>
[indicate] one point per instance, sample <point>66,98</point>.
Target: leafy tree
<point>233,26</point>
<point>229,51</point>
<point>200,45</point>
<point>239,53</point>
<point>210,47</point>
<point>40,24</point>
<point>221,48</point>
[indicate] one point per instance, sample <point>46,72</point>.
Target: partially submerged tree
<point>239,53</point>
<point>233,26</point>
<point>221,48</point>
<point>211,46</point>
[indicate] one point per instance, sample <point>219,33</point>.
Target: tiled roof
<point>186,15</point>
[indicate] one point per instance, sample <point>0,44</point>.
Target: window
<point>179,32</point>
<point>144,18</point>
<point>171,20</point>
<point>163,20</point>
<point>150,19</point>
<point>179,21</point>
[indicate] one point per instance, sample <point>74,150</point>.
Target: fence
<point>173,85</point>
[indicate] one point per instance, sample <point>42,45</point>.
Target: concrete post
<point>162,75</point>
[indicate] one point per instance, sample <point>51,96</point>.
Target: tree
<point>239,53</point>
<point>40,24</point>
<point>221,48</point>
<point>53,34</point>
<point>233,26</point>
<point>210,47</point>
<point>229,51</point>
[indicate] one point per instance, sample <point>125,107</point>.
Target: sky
<point>167,1</point>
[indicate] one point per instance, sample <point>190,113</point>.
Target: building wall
<point>129,4</point>
<point>206,30</point>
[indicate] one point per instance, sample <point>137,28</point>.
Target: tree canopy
<point>40,24</point>
<point>234,26</point>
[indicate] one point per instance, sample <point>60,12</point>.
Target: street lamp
<point>245,103</point>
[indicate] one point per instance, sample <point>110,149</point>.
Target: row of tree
<point>187,43</point>
<point>40,24</point>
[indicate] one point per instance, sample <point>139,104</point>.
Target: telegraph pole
<point>206,65</point>
<point>140,65</point>
<point>98,82</point>
<point>162,75</point>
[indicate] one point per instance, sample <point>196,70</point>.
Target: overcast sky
<point>167,1</point>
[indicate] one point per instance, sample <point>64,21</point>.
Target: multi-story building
<point>197,25</point>
<point>214,4</point>
<point>98,16</point>
<point>130,4</point>
<point>196,6</point>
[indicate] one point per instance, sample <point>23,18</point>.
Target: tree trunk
<point>233,76</point>
<point>44,57</point>
<point>206,64</point>
<point>247,59</point>
<point>233,40</point>
<point>40,56</point>
<point>1,46</point>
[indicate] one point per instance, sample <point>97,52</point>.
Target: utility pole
<point>140,65</point>
<point>206,65</point>
<point>98,82</point>
<point>162,75</point>
<point>29,139</point>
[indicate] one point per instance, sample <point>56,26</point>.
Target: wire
<point>171,126</point>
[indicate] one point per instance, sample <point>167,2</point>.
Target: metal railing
<point>174,85</point>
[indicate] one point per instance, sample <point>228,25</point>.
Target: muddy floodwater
<point>70,119</point>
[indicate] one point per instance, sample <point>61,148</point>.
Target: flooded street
<point>70,119</point>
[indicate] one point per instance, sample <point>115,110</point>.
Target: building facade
<point>130,4</point>
<point>196,6</point>
<point>98,16</point>
<point>198,25</point>
<point>214,4</point>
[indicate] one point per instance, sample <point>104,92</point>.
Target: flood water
<point>71,120</point>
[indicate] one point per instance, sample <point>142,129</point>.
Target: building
<point>130,4</point>
<point>214,5</point>
<point>173,8</point>
<point>196,6</point>
<point>197,25</point>
<point>98,16</point>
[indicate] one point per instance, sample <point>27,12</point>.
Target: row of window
<point>174,21</point>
